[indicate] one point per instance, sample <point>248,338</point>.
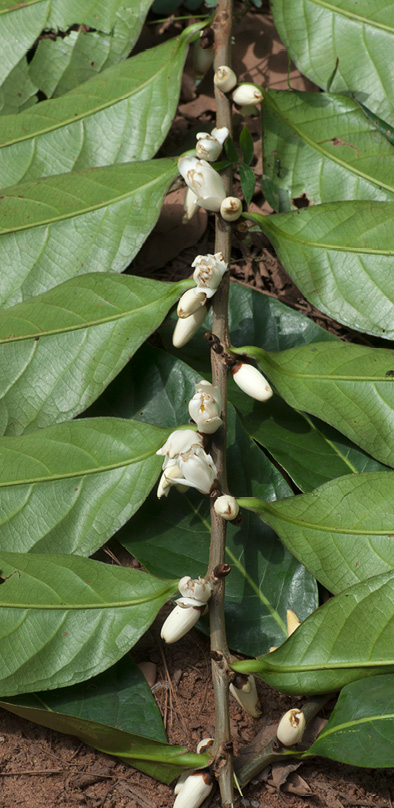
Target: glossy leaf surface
<point>340,256</point>
<point>69,487</point>
<point>326,147</point>
<point>59,350</point>
<point>351,637</point>
<point>342,532</point>
<point>65,619</point>
<point>58,227</point>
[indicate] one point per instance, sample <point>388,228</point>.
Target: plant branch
<point>219,649</point>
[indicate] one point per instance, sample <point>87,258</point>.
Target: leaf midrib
<point>327,665</point>
<point>352,16</point>
<point>270,227</point>
<point>77,606</point>
<point>354,723</point>
<point>267,507</point>
<point>18,6</point>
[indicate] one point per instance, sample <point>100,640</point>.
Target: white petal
<point>179,622</point>
<point>196,788</point>
<point>187,328</point>
<point>225,78</point>
<point>291,727</point>
<point>249,701</point>
<point>246,94</point>
<point>190,302</point>
<point>226,506</point>
<point>251,381</point>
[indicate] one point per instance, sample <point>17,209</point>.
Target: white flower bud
<point>204,181</point>
<point>246,695</point>
<point>209,271</point>
<point>291,727</point>
<point>205,407</point>
<point>251,381</point>
<point>203,745</point>
<point>202,60</point>
<point>198,469</point>
<point>198,588</point>
<point>225,78</point>
<point>179,441</point>
<point>189,303</point>
<point>190,206</point>
<point>166,480</point>
<point>231,209</point>
<point>186,328</point>
<point>182,618</point>
<point>226,506</point>
<point>247,94</point>
<point>196,788</point>
<point>209,146</point>
<point>181,782</point>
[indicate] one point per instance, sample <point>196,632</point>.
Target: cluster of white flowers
<point>186,464</point>
<point>193,788</point>
<point>189,608</point>
<point>208,273</point>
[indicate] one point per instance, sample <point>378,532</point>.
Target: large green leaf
<point>56,228</point>
<point>171,537</point>
<point>120,115</point>
<point>360,731</point>
<point>351,37</point>
<point>349,638</point>
<point>349,386</point>
<point>59,350</point>
<point>326,148</point>
<point>65,619</point>
<point>342,531</point>
<point>69,487</point>
<point>340,256</point>
<point>18,90</point>
<point>60,64</point>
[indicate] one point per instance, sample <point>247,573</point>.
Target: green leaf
<point>58,227</point>
<point>382,126</point>
<point>342,532</point>
<point>59,350</point>
<point>340,256</point>
<point>248,181</point>
<point>348,386</point>
<point>17,91</point>
<point>278,198</point>
<point>230,150</point>
<point>65,619</point>
<point>69,487</point>
<point>359,35</point>
<point>121,115</point>
<point>60,64</point>
<point>20,25</point>
<point>360,731</point>
<point>351,637</point>
<point>325,147</point>
<point>246,143</point>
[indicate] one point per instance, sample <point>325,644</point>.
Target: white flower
<point>251,381</point>
<point>179,441</point>
<point>291,727</point>
<point>203,745</point>
<point>205,407</point>
<point>190,206</point>
<point>225,78</point>
<point>226,506</point>
<point>186,328</point>
<point>198,469</point>
<point>231,209</point>
<point>202,60</point>
<point>246,695</point>
<point>196,788</point>
<point>209,146</point>
<point>182,618</point>
<point>198,588</point>
<point>208,273</point>
<point>165,483</point>
<point>247,94</point>
<point>190,302</point>
<point>204,181</point>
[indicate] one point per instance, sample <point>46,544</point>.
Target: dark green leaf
<point>246,143</point>
<point>278,198</point>
<point>382,126</point>
<point>230,150</point>
<point>248,181</point>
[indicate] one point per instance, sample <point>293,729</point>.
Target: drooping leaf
<point>65,618</point>
<point>325,147</point>
<point>248,181</point>
<point>340,256</point>
<point>246,143</point>
<point>59,350</point>
<point>348,638</point>
<point>58,227</point>
<point>69,487</point>
<point>359,35</point>
<point>60,64</point>
<point>121,115</point>
<point>349,386</point>
<point>360,731</point>
<point>342,532</point>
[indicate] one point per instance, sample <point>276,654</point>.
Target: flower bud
<point>205,407</point>
<point>227,507</point>
<point>291,727</point>
<point>198,469</point>
<point>203,745</point>
<point>231,209</point>
<point>209,146</point>
<point>179,441</point>
<point>186,328</point>
<point>196,788</point>
<point>292,622</point>
<point>181,782</point>
<point>182,618</point>
<point>225,78</point>
<point>190,206</point>
<point>208,272</point>
<point>204,181</point>
<point>198,588</point>
<point>202,60</point>
<point>247,94</point>
<point>166,480</point>
<point>190,302</point>
<point>251,381</point>
<point>247,698</point>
